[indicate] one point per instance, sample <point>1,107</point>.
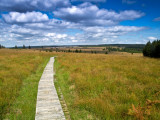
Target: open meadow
<point>113,87</point>
<point>20,71</point>
<point>95,86</point>
<point>79,59</point>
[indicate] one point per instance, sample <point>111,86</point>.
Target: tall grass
<point>120,86</point>
<point>110,86</point>
<point>20,71</point>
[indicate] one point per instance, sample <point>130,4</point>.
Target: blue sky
<point>78,22</point>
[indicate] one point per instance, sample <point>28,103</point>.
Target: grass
<point>20,72</point>
<point>95,86</point>
<point>24,107</point>
<point>109,86</point>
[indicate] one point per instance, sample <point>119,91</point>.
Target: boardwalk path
<point>48,105</point>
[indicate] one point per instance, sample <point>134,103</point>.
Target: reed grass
<point>20,72</point>
<point>115,87</point>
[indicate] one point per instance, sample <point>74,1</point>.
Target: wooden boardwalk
<point>48,105</point>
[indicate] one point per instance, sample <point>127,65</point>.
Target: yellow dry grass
<point>95,86</point>
<point>15,67</point>
<point>108,86</point>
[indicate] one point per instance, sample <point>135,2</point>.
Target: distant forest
<point>131,48</point>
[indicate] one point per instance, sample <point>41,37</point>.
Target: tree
<point>69,50</point>
<point>91,51</point>
<point>24,46</point>
<point>157,49</point>
<point>152,49</point>
<point>29,47</point>
<point>1,46</point>
<point>76,51</point>
<point>147,49</point>
<point>15,47</point>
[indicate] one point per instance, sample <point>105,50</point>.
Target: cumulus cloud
<point>28,17</point>
<point>54,25</point>
<point>90,15</point>
<point>152,38</point>
<point>111,32</point>
<point>55,32</point>
<point>30,5</point>
<point>82,24</point>
<point>115,29</point>
<point>22,30</point>
<point>157,19</point>
<point>56,35</point>
<point>125,28</point>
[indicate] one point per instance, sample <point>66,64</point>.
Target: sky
<point>78,22</point>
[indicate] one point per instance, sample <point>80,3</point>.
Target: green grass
<point>94,86</point>
<point>62,82</point>
<point>24,107</point>
<point>20,72</point>
<point>109,86</point>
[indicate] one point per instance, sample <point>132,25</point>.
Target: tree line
<point>23,47</point>
<point>129,50</point>
<point>1,46</point>
<point>152,49</point>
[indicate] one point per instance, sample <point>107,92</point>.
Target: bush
<point>106,52</point>
<point>76,51</point>
<point>152,49</point>
<point>69,50</point>
<point>51,50</point>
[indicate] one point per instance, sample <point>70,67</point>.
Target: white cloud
<point>31,5</point>
<point>107,34</point>
<point>22,30</point>
<point>90,15</point>
<point>28,17</point>
<point>55,32</point>
<point>82,24</point>
<point>125,28</point>
<point>113,29</point>
<point>152,38</point>
<point>74,41</point>
<point>56,35</point>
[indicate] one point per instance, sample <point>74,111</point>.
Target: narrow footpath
<point>48,105</point>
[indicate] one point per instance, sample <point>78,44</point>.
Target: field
<point>20,71</point>
<point>95,86</point>
<point>114,86</point>
<point>100,49</point>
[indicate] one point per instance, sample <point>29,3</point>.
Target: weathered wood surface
<point>48,105</point>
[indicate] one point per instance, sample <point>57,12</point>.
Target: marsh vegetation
<point>113,86</point>
<point>118,85</point>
